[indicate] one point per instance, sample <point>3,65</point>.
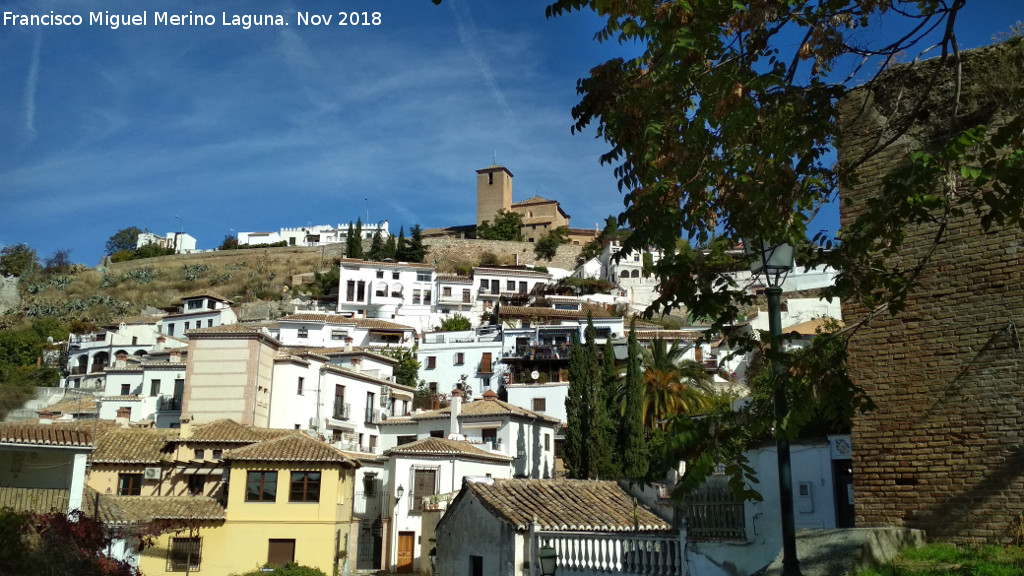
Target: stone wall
<point>944,450</point>
<point>441,251</point>
<point>9,297</point>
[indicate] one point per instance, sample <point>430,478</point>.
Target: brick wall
<point>460,250</point>
<point>944,451</point>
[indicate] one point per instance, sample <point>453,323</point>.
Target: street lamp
<point>400,492</point>
<point>775,261</point>
<point>548,559</point>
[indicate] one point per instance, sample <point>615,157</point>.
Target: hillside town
<point>520,397</point>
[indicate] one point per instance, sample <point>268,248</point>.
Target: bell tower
<point>493,192</point>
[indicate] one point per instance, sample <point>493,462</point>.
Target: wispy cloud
<point>30,87</point>
<point>467,36</point>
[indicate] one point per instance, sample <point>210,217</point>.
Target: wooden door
<point>406,542</point>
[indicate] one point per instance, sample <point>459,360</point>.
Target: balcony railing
<point>169,404</point>
<point>341,409</point>
<point>42,500</point>
<point>356,447</point>
<point>616,553</point>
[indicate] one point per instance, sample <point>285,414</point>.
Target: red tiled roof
<point>292,448</point>
<point>445,447</point>
<point>55,434</point>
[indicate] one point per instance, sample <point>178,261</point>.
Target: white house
<point>201,310</point>
<point>131,338</point>
<point>496,527</point>
<point>425,474</point>
<point>148,390</point>
<point>318,330</point>
<point>313,235</point>
<point>181,242</point>
<point>448,357</point>
<point>398,291</point>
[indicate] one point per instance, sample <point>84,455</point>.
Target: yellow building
<point>540,216</point>
<point>226,498</point>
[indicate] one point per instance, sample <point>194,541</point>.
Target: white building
<point>319,330</point>
<point>448,357</point>
<point>201,310</point>
<point>399,291</point>
<point>132,339</point>
<point>181,242</point>
<point>313,235</point>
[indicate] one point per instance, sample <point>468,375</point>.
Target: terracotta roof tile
<point>296,447</point>
<point>87,405</point>
<point>116,445</point>
<point>509,272</point>
<point>452,278</point>
<point>811,327</point>
<point>535,200</point>
<point>143,509</point>
<point>229,431</point>
<point>445,447</point>
<point>55,434</point>
<point>39,500</point>
<point>537,312</point>
<point>229,329</point>
<point>491,407</point>
<point>376,264</point>
<point>565,505</point>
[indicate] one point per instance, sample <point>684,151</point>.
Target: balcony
<point>341,409</point>
<point>356,447</point>
<point>535,353</point>
<point>169,404</point>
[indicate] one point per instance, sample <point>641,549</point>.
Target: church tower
<point>493,192</point>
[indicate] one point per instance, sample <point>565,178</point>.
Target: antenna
<point>494,157</point>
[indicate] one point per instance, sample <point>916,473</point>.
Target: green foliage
<point>123,240</point>
<point>489,259</point>
<point>151,251</point>
<point>590,432</point>
<point>571,285</point>
<point>547,246</point>
<point>230,243</point>
<point>944,559</point>
<point>354,240</point>
<point>407,371</point>
<point>455,323</point>
<point>289,569</point>
<point>18,260</point>
<point>632,443</point>
<point>192,272</point>
<point>376,252</point>
<point>401,247</point>
<point>326,282</point>
<point>507,226</point>
<point>139,275</point>
<point>390,249</point>
<point>416,252</point>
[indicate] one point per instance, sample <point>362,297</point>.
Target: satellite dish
<point>534,375</point>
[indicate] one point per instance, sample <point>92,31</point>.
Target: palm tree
<point>672,385</point>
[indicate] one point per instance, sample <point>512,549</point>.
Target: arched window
<point>635,274</point>
<point>624,274</point>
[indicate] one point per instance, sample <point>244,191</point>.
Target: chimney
<point>357,364</point>
<point>175,356</point>
<point>455,404</point>
<point>348,344</point>
<point>186,428</point>
<point>490,395</point>
<point>124,416</point>
<point>160,340</point>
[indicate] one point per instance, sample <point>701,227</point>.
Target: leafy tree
<point>289,569</point>
<point>407,371</point>
<point>455,323</point>
<point>632,442</point>
<point>125,239</point>
<point>507,226</point>
<point>18,260</point>
<point>151,251</point>
<point>417,252</point>
<point>376,252</point>
<point>230,243</point>
<point>547,246</point>
<point>59,262</point>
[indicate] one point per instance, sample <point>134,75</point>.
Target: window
<point>209,323</point>
<point>303,332</point>
<point>200,454</point>
<point>129,484</point>
<point>405,439</point>
<point>305,487</point>
<point>126,389</point>
<point>431,362</point>
<point>426,296</point>
<point>369,408</point>
<point>446,292</point>
<point>302,381</point>
<point>154,387</point>
<point>522,287</point>
<point>261,486</point>
<point>196,484</point>
<point>416,296</point>
<point>394,275</point>
<point>540,404</point>
<point>135,340</point>
<point>466,295</point>
<point>483,286</point>
<point>423,276</point>
<point>432,386</point>
<point>350,291</point>
<point>489,434</point>
<point>170,329</point>
<point>460,358</point>
<point>218,454</point>
<point>184,554</point>
<point>485,363</point>
<point>424,484</point>
<point>187,325</point>
<point>380,273</point>
<point>476,566</point>
<point>339,334</point>
<point>194,304</point>
<point>547,442</point>
<point>280,551</point>
<point>211,304</point>
<point>510,285</point>
<point>495,286</point>
<point>373,444</point>
<point>437,433</point>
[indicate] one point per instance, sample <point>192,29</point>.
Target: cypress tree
<point>417,251</point>
<point>402,251</point>
<point>376,247</point>
<point>349,244</point>
<point>356,238</point>
<point>602,428</point>
<point>632,442</point>
<point>574,450</point>
<point>390,248</point>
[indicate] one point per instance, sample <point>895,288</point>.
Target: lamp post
<point>775,262</point>
<point>548,560</point>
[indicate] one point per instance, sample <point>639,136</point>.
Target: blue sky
<point>220,129</point>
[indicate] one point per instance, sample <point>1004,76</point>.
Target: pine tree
<point>417,251</point>
<point>632,443</point>
<point>390,249</point>
<point>376,247</point>
<point>356,238</point>
<point>401,250</point>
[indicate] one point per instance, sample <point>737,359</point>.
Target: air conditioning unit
<point>152,473</point>
<point>385,393</point>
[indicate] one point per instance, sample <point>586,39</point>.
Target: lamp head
<point>400,492</point>
<point>773,260</point>
<point>548,559</point>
